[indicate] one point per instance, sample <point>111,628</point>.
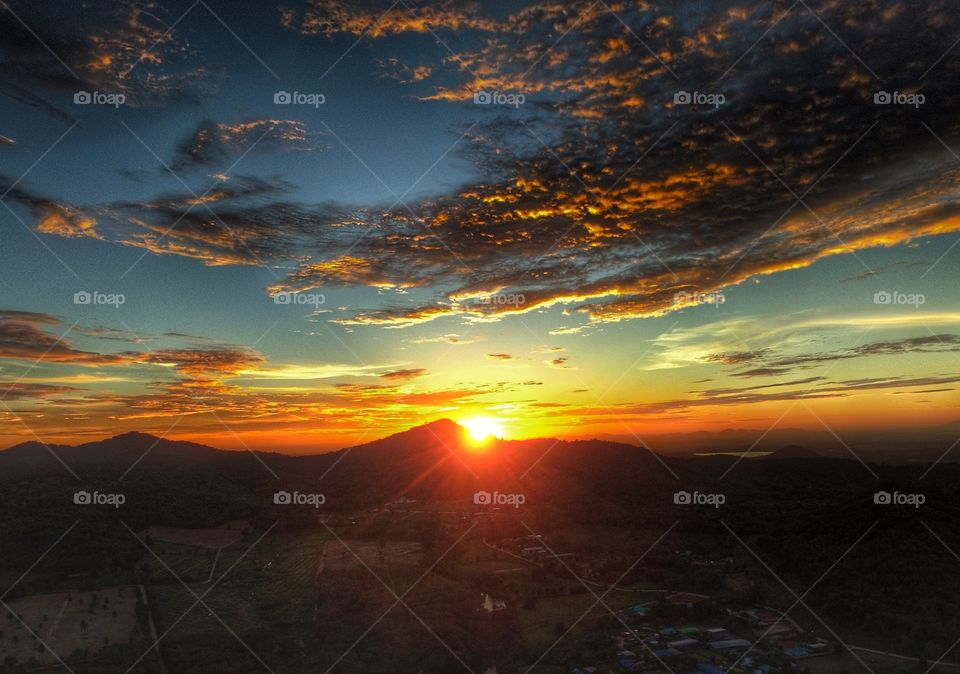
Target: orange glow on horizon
<point>482,429</point>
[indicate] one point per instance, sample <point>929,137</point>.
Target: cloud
<point>26,391</point>
<point>736,357</point>
<point>218,143</point>
<point>135,50</point>
<point>295,372</point>
<point>328,17</point>
<point>762,372</point>
<point>776,366</point>
<point>712,393</point>
<point>205,364</point>
<point>392,68</point>
<point>452,339</point>
<point>752,345</point>
<point>51,217</point>
<point>601,195</point>
<point>24,336</point>
<point>500,356</point>
<point>750,396</point>
<point>404,375</point>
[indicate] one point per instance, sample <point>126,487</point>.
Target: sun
<point>481,429</point>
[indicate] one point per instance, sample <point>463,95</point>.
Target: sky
<point>300,226</point>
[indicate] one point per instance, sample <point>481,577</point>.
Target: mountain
<point>435,461</point>
<point>117,450</point>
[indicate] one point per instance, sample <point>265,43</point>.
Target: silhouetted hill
<point>793,452</point>
<point>119,450</point>
<point>435,461</point>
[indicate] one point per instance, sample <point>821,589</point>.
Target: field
<point>69,621</point>
<point>346,554</point>
<point>204,538</point>
<point>551,616</point>
<point>272,580</point>
<point>308,583</point>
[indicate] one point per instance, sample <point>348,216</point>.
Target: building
<point>729,644</point>
<point>716,634</point>
<point>681,644</point>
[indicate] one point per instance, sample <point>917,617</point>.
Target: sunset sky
<point>584,254</point>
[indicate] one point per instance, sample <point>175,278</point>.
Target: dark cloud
<point>773,365</point>
<point>204,364</point>
<point>55,51</point>
<point>709,393</point>
<point>700,211</point>
<point>404,375</point>
<point>30,336</point>
<point>328,17</point>
<point>27,391</point>
<point>236,222</point>
<point>896,382</point>
<point>762,372</point>
<point>601,193</point>
<point>737,357</point>
<point>219,143</point>
<point>24,336</point>
<point>392,68</point>
<point>922,344</point>
<point>928,390</point>
<point>750,395</point>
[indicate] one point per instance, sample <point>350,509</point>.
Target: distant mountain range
<point>792,452</point>
<point>435,461</point>
<point>889,445</point>
<point>445,443</point>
